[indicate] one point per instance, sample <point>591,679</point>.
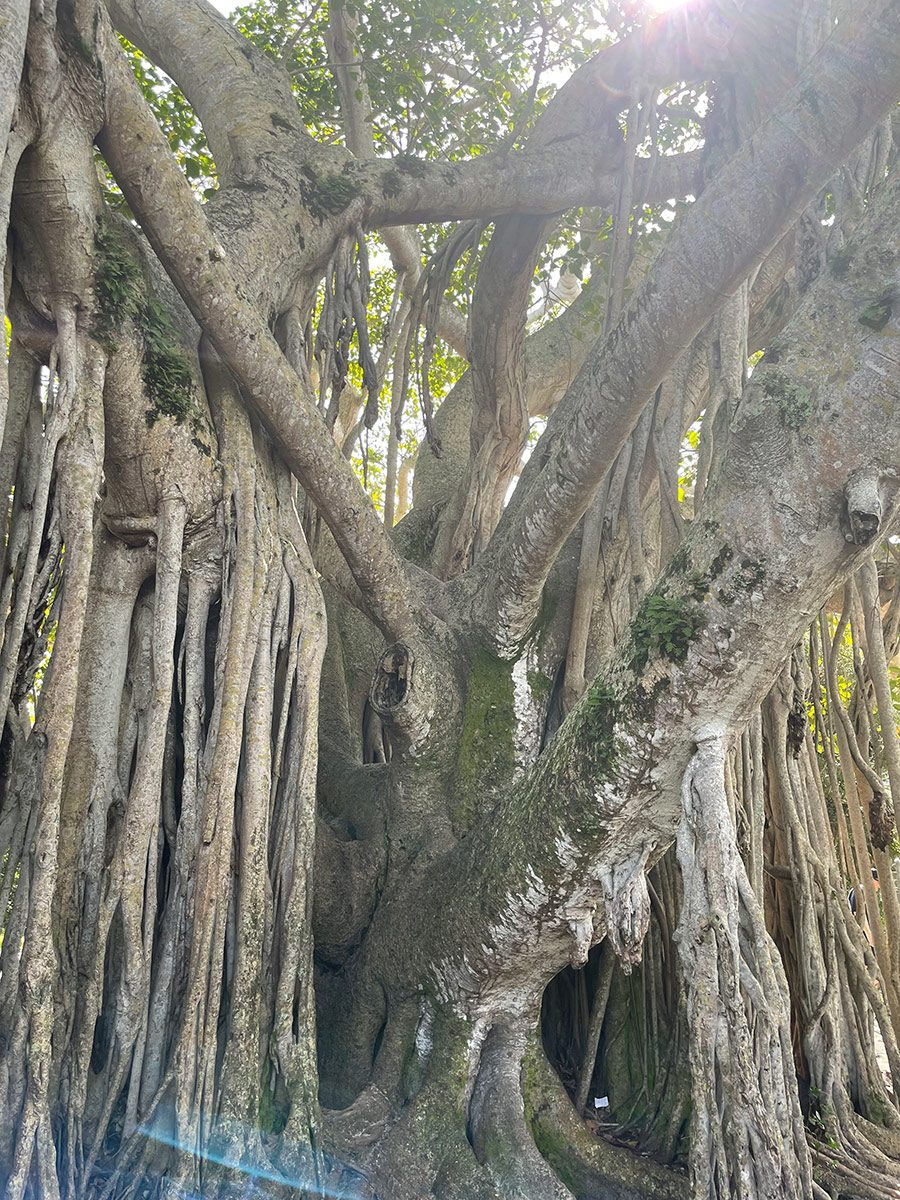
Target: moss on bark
<point>486,757</point>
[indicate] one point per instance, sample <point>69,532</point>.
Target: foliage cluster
<point>663,625</point>
<point>440,74</point>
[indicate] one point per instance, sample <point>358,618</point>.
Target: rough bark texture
<point>500,855</point>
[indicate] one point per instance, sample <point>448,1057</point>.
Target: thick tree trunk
<point>173,1006</point>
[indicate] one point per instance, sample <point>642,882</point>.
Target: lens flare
<point>256,1171</point>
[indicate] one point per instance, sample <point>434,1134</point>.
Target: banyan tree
<point>450,469</point>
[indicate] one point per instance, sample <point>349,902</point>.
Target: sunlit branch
<point>767,186</point>
<point>162,200</point>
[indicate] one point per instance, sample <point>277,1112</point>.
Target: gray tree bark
<point>223,677</point>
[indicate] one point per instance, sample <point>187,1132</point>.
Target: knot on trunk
<point>881,821</point>
<point>403,698</point>
<point>581,927</point>
<point>864,506</point>
<point>393,679</point>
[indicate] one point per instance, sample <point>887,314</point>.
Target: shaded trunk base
<point>492,1121</point>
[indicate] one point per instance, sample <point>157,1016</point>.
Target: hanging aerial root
<point>26,1007</point>
<point>747,1136</point>
<point>61,399</point>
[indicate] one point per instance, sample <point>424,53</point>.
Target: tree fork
<point>158,192</point>
<point>590,425</point>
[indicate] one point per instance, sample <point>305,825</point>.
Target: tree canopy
<point>450,599</point>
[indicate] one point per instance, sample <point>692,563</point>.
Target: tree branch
<point>496,346</point>
<point>175,225</point>
<point>402,241</point>
<point>738,219</point>
<point>230,84</point>
<point>544,181</point>
<point>568,848</point>
<point>499,314</point>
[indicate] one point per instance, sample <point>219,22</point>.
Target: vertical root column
<point>26,1001</point>
<point>500,1134</point>
<point>747,1138</point>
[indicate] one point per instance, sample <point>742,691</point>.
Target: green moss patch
<point>119,283</point>
<point>601,711</point>
<point>411,165</point>
<point>841,260</point>
<point>274,1102</point>
<point>877,313</point>
<point>391,183</point>
<point>745,580</point>
<point>167,376</point>
<point>486,750</point>
<point>327,195</point>
<point>122,299</point>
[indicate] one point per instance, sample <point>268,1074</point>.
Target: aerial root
<point>747,1137</point>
